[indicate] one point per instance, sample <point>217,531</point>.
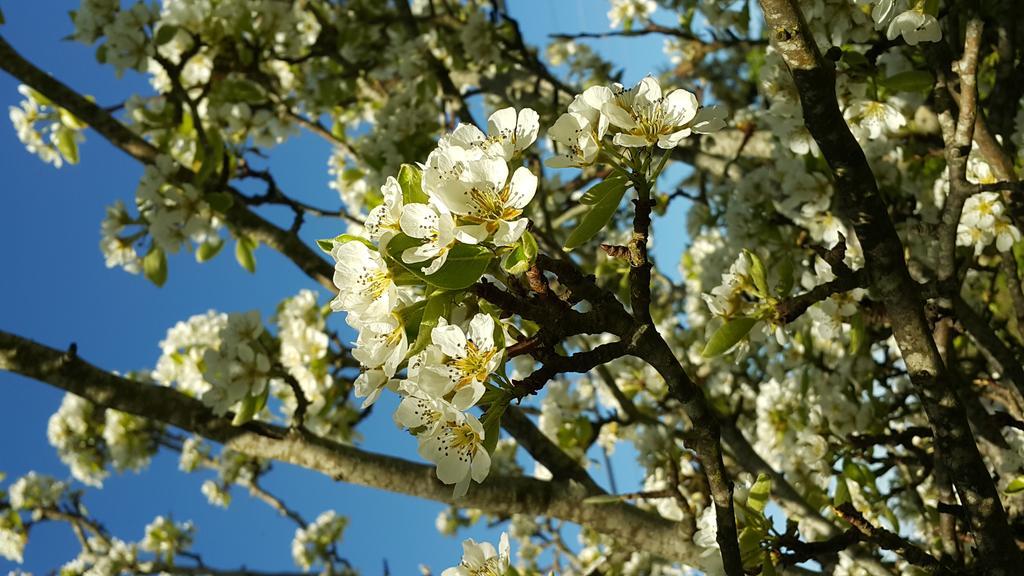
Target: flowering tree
<point>835,386</point>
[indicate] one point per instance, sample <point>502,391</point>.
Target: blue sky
<point>55,289</point>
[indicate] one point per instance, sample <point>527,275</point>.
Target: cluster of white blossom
<point>624,12</point>
<point>984,221</point>
<point>304,348</point>
<point>73,431</point>
<point>239,369</point>
<point>12,536</point>
<point>180,362</point>
<point>471,193</point>
<point>88,438</point>
<point>166,538</point>
<point>34,490</point>
<point>637,117</point>
<point>175,213</point>
<point>315,544</point>
<point>103,556</point>
<point>57,141</point>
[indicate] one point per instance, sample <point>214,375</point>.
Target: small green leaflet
<point>437,306</point>
<point>165,34</point>
<point>244,248</point>
<point>603,200</point>
<point>67,145</point>
<point>1015,485</point>
<point>327,244</point>
<point>758,274</point>
<point>492,424</point>
<point>522,255</point>
<point>757,498</point>
<point>909,81</point>
<point>154,266</point>
<point>465,264</point>
<point>727,336</point>
<point>207,250</point>
<point>409,179</point>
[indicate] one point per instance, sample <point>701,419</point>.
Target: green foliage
<point>465,264</point>
<point>244,248</point>
<point>154,266</point>
<point>727,336</point>
<point>603,199</point>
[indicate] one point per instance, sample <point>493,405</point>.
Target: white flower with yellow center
<point>467,359</point>
<point>646,117</point>
<point>577,142</point>
<point>433,224</point>
<point>512,131</point>
<point>382,343</point>
<point>489,201</point>
<point>419,411</point>
<point>369,384</point>
<point>915,26</point>
<point>877,118</point>
<point>482,559</point>
<point>457,448</point>
<point>365,285</point>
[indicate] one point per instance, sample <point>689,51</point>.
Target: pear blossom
<point>457,450</point>
<point>727,299</point>
<point>382,343</point>
<point>575,136</point>
<point>983,221</point>
<point>470,358</point>
<point>646,117</point>
<point>915,26</point>
<point>369,384</point>
<point>513,131</point>
<point>240,367</point>
<point>482,559</point>
<point>421,412</point>
<point>433,224</point>
<point>314,543</point>
<point>365,285</point>
<point>489,201</point>
<point>877,118</point>
<point>35,491</point>
<point>383,221</point>
<point>623,12</point>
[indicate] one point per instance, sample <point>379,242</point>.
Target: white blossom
<point>482,559</point>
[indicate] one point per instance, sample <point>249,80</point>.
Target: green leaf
<point>492,424</point>
<point>1015,485</point>
<point>604,207</point>
<point>439,305</point>
<point>767,568</point>
<point>750,547</point>
<point>842,495</point>
<point>758,273</point>
<point>220,201</point>
<point>410,180</point>
<point>465,264</point>
<point>522,255</point>
<point>327,244</point>
<point>599,190</point>
<point>154,266</point>
<point>67,145</point>
<point>212,158</point>
<point>727,336</point>
<point>165,34</point>
<point>785,280</point>
<point>909,81</point>
<point>207,250</point>
<point>244,248</point>
<point>250,407</point>
<point>757,499</point>
<point>242,90</point>
<point>858,333</point>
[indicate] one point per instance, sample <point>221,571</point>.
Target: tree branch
<point>501,495</point>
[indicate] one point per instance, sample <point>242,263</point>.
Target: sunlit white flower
<point>915,26</point>
<point>513,131</point>
<point>365,285</point>
<point>877,118</point>
<point>646,117</point>
<point>35,491</point>
<point>470,358</point>
<point>382,343</point>
<point>577,144</point>
<point>489,201</point>
<point>457,450</point>
<point>383,221</point>
<point>433,224</point>
<point>482,559</point>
